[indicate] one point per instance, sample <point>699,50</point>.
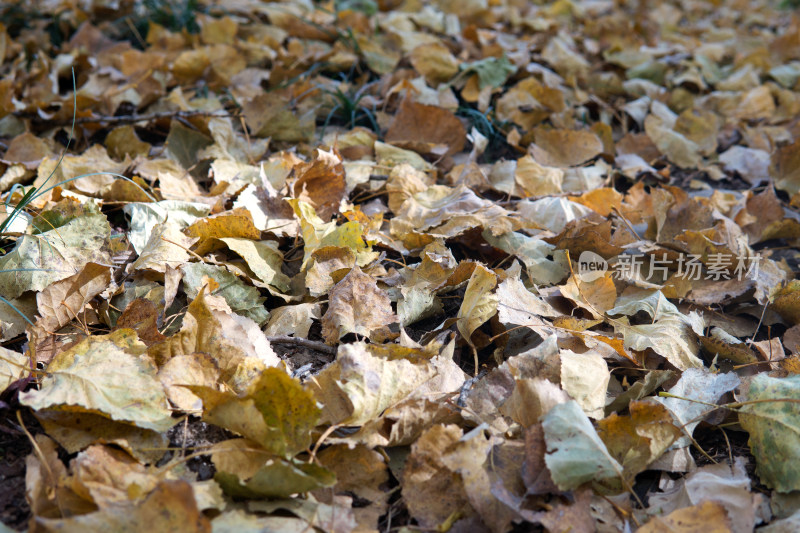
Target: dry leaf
<point>59,303</point>
<point>419,123</point>
<point>357,305</point>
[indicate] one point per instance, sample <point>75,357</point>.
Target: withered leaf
<point>357,305</point>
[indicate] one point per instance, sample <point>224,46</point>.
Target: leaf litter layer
<point>400,265</point>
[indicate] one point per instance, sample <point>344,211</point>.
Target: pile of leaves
<point>399,265</point>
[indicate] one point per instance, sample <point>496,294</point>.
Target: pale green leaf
<point>241,298</point>
<point>54,254</point>
<point>575,453</point>
<point>263,258</point>
<point>774,428</point>
<point>277,479</point>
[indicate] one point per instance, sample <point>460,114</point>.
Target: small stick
<point>126,119</point>
<point>305,343</point>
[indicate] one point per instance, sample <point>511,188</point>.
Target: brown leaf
<point>785,168</point>
<point>531,400</point>
<point>708,517</point>
<point>638,439</point>
<point>585,235</point>
<point>108,476</point>
<point>420,123</point>
<point>321,183</point>
<point>268,116</point>
<point>534,473</point>
<point>360,471</point>
<point>141,315</point>
<point>27,149</point>
<point>65,300</point>
<point>357,305</point>
<point>45,487</point>
<point>77,431</point>
<point>170,507</point>
<point>565,148</point>
<point>431,490</point>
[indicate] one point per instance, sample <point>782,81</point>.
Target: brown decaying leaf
<point>59,303</point>
<point>707,517</point>
<point>321,183</point>
<point>638,439</point>
<point>564,148</point>
<point>357,305</point>
<point>141,315</point>
<point>419,123</point>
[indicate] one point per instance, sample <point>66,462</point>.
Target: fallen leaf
<point>170,506</point>
<point>66,238</point>
<point>241,298</point>
<point>108,375</point>
<point>276,412</point>
<point>585,378</point>
<point>141,316</point>
<point>360,471</point>
<point>13,366</point>
<point>263,258</point>
<point>638,439</point>
<point>419,123</point>
<point>564,148</point>
<point>575,453</point>
<point>357,305</point>
<point>65,300</point>
<point>237,345</point>
<point>691,395</point>
<point>278,478</point>
<point>359,386</point>
<point>479,303</point>
<point>671,334</point>
<point>435,62</point>
<point>197,369</point>
<point>707,517</point>
<point>236,223</point>
<point>321,183</point>
<point>531,400</point>
<point>772,423</point>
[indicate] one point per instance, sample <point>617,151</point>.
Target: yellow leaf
<point>479,303</point>
<point>236,223</point>
<point>105,374</point>
<point>359,386</point>
<point>638,439</point>
<point>237,345</point>
<point>276,412</point>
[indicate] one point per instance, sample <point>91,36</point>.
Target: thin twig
<point>305,343</point>
<point>125,119</point>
